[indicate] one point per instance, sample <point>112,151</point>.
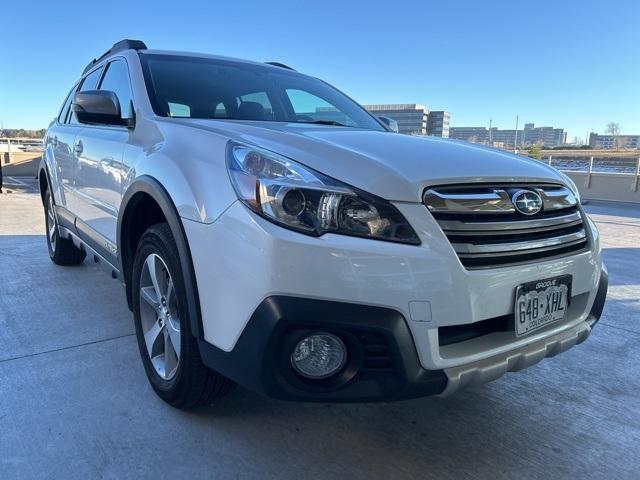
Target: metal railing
<point>614,177</point>
<point>592,165</point>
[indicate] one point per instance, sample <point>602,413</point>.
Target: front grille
<point>487,230</point>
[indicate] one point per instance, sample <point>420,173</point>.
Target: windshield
<point>197,87</point>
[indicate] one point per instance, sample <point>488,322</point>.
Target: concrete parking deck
<point>74,401</point>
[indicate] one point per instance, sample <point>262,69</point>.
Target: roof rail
<point>125,44</point>
<point>281,65</point>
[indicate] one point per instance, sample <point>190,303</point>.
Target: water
<point>600,164</point>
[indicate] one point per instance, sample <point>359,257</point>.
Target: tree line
<point>22,133</point>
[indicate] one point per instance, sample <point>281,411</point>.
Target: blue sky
<point>567,63</point>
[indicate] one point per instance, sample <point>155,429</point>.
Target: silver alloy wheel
<point>159,317</point>
<point>51,224</point>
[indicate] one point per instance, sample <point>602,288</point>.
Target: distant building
<point>438,124</point>
<point>530,135</point>
<point>545,136</point>
<point>414,119</point>
<point>611,142</point>
<point>470,134</point>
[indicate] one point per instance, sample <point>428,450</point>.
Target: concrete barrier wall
<point>614,187</point>
<point>22,163</point>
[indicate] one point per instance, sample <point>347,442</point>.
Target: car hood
<point>393,166</point>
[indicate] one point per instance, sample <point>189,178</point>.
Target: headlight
<point>304,200</point>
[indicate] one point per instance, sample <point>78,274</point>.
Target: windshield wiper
<point>323,122</point>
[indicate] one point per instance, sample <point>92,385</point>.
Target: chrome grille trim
<point>551,250</point>
<point>486,231</point>
<point>496,228</point>
<point>490,202</point>
<point>479,200</point>
<point>503,248</point>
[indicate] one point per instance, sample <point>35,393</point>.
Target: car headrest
<point>251,111</point>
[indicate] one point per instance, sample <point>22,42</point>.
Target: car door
<point>64,139</point>
<point>60,140</point>
<point>100,176</point>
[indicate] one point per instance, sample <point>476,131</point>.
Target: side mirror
<point>98,106</point>
<point>390,123</point>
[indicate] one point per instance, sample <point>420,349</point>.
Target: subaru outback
<point>271,232</point>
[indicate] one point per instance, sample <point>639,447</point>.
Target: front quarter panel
<point>188,163</point>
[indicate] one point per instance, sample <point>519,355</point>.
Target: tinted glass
<point>64,112</point>
<point>178,110</point>
<point>89,82</point>
<point>116,79</point>
<point>312,108</point>
<point>213,88</point>
<point>261,98</point>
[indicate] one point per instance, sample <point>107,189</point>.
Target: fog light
<point>319,355</point>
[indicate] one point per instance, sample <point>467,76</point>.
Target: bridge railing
<point>610,177</point>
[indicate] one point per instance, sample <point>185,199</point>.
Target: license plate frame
<point>525,322</point>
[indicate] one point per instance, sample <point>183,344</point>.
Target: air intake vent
<point>375,350</point>
<point>498,225</point>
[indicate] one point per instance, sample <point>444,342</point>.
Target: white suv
<point>271,232</point>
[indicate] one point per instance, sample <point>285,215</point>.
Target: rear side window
<point>90,82</point>
<point>116,79</point>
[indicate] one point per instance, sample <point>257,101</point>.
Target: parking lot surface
<point>75,403</point>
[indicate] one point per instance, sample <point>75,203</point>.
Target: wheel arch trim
<point>150,186</point>
<point>43,167</point>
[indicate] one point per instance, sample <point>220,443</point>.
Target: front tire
<point>168,348</point>
<point>62,251</point>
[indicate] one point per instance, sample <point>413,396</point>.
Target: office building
<point>412,118</point>
<point>545,136</point>
<point>438,124</point>
<point>612,142</point>
<point>470,134</point>
<point>530,135</point>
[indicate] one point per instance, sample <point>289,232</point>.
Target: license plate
<point>541,302</point>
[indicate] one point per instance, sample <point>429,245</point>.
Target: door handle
<point>77,148</point>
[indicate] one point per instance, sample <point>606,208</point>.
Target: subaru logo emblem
<point>527,202</point>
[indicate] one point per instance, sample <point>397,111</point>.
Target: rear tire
<point>62,251</point>
<point>169,350</point>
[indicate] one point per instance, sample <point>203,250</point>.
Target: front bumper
<point>383,362</point>
<point>241,259</point>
